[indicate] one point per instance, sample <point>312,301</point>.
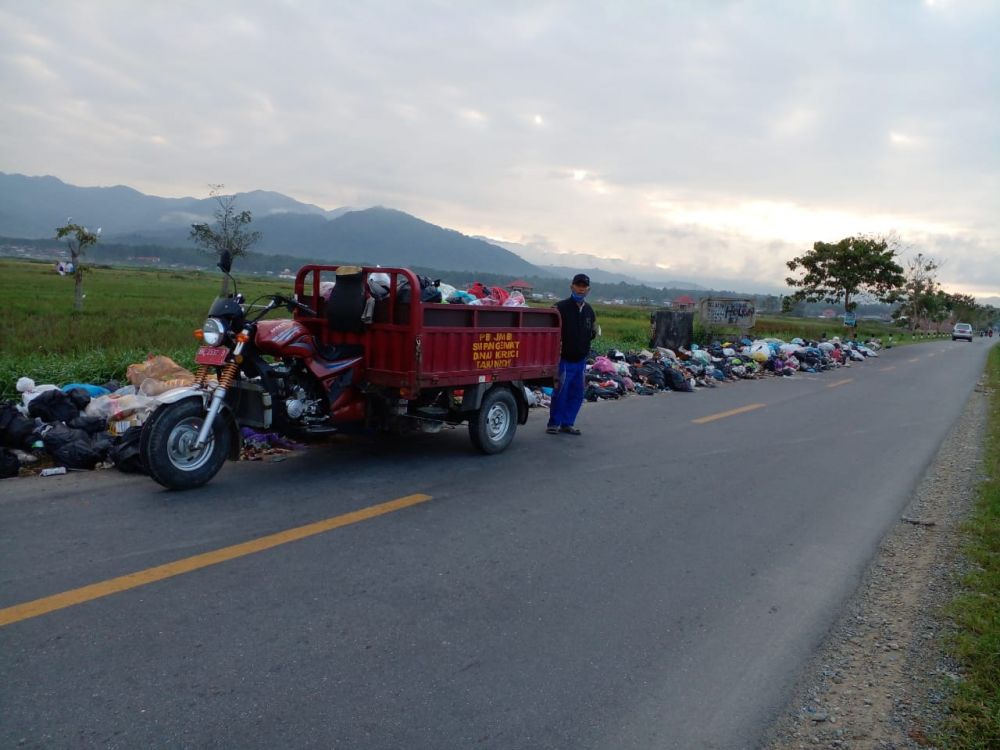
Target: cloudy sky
<point>712,139</point>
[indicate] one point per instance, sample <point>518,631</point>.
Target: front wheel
<point>493,426</point>
<point>169,451</point>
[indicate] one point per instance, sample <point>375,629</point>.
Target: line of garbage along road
<point>84,426</point>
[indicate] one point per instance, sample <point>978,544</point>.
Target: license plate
<point>211,355</point>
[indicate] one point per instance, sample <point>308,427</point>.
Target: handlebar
<point>292,304</point>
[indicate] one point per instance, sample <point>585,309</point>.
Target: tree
<point>78,239</point>
<point>231,231</point>
<point>940,308</point>
<point>964,308</point>
<point>919,293</point>
<point>835,272</point>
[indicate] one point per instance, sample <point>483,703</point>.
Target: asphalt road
<point>658,582</point>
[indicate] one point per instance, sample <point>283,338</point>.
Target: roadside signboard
<point>850,320</point>
<point>727,311</point>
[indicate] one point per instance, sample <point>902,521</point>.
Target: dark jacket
<point>579,327</point>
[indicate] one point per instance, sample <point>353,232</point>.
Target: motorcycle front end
<point>188,438</point>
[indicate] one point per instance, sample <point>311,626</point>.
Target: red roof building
<point>521,286</point>
<point>684,302</point>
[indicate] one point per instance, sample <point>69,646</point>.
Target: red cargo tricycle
<point>361,351</point>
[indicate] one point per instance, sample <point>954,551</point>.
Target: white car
<point>962,331</point>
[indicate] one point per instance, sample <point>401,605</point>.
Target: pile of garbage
<point>618,374</point>
<point>82,425</point>
<point>436,291</point>
<point>87,426</point>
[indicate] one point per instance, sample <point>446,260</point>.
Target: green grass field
<point>975,720</point>
<point>129,313</point>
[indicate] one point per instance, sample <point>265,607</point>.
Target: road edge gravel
<point>882,678</point>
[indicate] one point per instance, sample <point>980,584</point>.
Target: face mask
<point>577,297</point>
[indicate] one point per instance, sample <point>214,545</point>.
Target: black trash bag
<point>91,425</point>
<point>16,430</point>
<point>429,291</point>
<point>79,397</point>
<point>75,449</point>
<point>9,465</point>
<point>52,406</point>
<point>677,382</point>
<point>125,452</point>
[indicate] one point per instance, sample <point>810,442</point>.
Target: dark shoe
<point>552,429</point>
<point>570,430</point>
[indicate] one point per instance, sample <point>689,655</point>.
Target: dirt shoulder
<point>882,678</point>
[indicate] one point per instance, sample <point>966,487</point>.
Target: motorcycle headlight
<point>213,331</point>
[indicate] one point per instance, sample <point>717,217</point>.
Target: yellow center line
<point>730,413</point>
<point>841,382</point>
<point>73,597</point>
<point>887,369</point>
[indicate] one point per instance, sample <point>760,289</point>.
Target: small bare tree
<point>231,231</point>
<point>78,239</point>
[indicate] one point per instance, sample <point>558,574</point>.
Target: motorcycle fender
<point>179,394</point>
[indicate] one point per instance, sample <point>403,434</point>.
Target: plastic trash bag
<point>91,390</point>
<point>9,465</point>
<point>75,449</point>
<point>125,452</point>
<point>28,390</point>
<point>90,425</point>
<point>114,407</point>
<point>516,299</point>
<point>151,387</point>
<point>52,406</point>
<point>158,367</point>
<point>78,397</point>
<point>604,365</point>
<point>16,430</point>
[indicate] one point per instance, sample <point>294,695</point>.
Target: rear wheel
<point>170,455</point>
<point>492,428</point>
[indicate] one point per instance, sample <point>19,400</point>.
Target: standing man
<point>579,328</point>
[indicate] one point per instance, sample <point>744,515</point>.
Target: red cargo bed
<point>415,345</point>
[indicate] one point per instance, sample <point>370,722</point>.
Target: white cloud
<point>902,139</point>
<point>694,136</point>
<point>473,116</point>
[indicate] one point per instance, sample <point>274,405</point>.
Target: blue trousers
<point>567,397</point>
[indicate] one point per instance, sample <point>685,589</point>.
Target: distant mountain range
<point>32,208</point>
<point>562,264</point>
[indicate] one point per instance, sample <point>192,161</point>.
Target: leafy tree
<point>78,239</point>
<point>840,271</point>
<point>919,292</point>
<point>231,231</point>
<point>940,308</point>
<point>964,308</point>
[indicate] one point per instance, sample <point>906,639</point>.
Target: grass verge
<point>975,712</point>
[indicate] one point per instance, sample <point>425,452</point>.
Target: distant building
<point>684,303</point>
<point>521,286</point>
